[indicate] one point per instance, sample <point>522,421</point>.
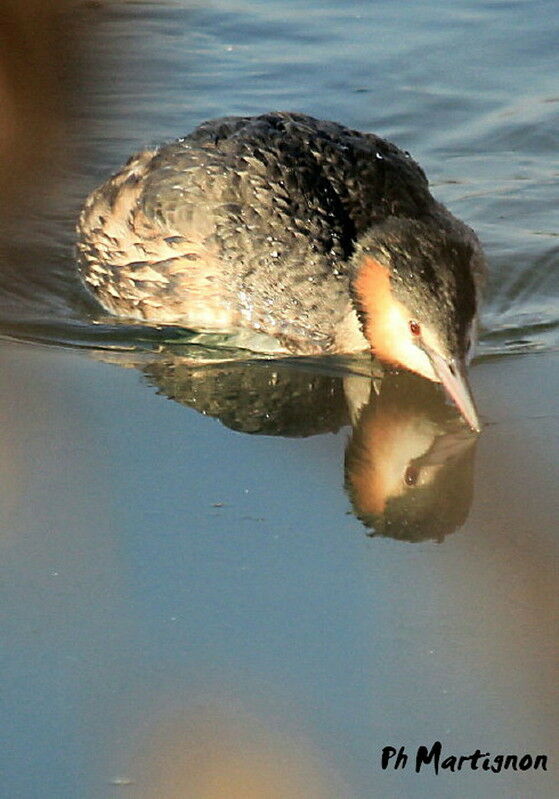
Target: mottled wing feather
<point>139,266</point>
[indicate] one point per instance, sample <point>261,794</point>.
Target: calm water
<point>193,604</point>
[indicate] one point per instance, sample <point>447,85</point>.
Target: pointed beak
<point>452,374</point>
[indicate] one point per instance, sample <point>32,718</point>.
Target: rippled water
<point>194,608</point>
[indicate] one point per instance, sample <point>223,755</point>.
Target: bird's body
<point>285,225</point>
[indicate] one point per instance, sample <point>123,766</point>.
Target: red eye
<point>415,328</point>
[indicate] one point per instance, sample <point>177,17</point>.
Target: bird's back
<point>248,221</point>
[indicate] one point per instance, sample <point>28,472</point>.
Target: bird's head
<point>414,289</point>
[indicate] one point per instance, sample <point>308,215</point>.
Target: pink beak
<point>452,374</point>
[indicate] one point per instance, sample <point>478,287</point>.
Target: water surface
<point>191,592</point>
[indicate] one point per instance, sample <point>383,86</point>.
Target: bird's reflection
<point>409,459</point>
<point>409,463</point>
<point>266,398</point>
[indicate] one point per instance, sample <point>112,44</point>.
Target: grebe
<point>324,238</point>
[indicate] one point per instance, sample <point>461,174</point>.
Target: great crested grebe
<point>324,238</point>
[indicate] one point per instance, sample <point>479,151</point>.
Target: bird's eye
<point>415,328</point>
<point>411,475</point>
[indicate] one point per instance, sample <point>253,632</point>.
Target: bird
<point>319,238</point>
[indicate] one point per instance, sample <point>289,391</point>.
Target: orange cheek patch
<point>373,290</point>
<point>386,322</point>
<point>372,287</point>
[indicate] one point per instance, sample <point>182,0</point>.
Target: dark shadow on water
<point>265,399</point>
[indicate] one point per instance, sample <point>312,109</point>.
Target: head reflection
<point>409,462</point>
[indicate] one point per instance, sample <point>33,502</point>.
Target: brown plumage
<point>272,223</point>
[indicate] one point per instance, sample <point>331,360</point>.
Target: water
<point>192,599</point>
